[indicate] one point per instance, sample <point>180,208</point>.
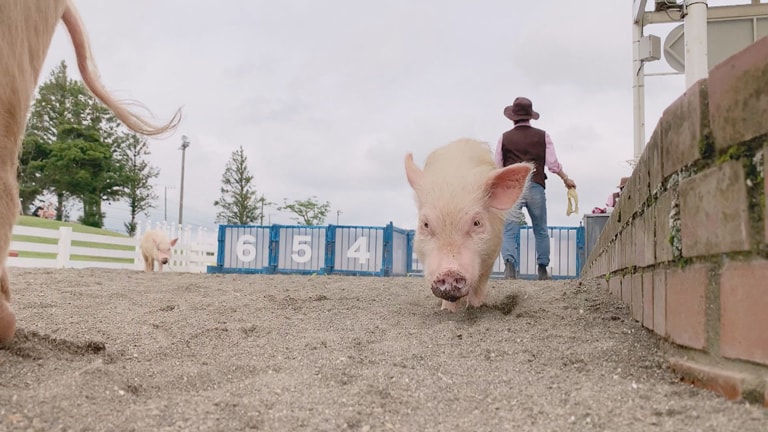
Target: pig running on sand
<point>462,199</point>
<point>26,29</point>
<point>155,246</point>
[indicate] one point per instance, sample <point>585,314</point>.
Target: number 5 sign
<point>302,249</point>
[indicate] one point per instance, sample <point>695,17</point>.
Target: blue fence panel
<point>564,254</point>
<point>359,250</point>
<point>300,249</point>
<point>566,249</point>
<point>401,252</point>
<point>243,249</point>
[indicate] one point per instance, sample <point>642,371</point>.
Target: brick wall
<point>687,246</point>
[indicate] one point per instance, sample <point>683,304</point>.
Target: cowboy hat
<point>521,109</point>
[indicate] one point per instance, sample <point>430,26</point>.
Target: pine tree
<point>69,149</point>
<point>139,193</point>
<point>239,202</point>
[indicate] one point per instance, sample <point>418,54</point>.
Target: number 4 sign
<point>359,250</point>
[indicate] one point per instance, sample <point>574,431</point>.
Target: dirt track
<point>120,350</point>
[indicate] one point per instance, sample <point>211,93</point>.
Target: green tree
<point>82,164</point>
<point>239,202</point>
<point>139,193</point>
<point>51,109</point>
<point>65,114</point>
<point>308,212</point>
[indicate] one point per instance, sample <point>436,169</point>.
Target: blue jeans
<point>534,199</point>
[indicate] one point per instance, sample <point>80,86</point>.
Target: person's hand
<point>569,183</point>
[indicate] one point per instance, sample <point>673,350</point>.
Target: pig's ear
<point>413,172</point>
<point>173,242</point>
<point>505,185</point>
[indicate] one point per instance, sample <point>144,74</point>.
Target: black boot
<point>543,272</point>
<point>509,270</point>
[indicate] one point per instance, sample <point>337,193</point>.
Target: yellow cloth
<point>573,202</point>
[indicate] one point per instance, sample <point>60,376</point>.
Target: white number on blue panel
<point>359,250</point>
<point>246,251</point>
<point>302,252</point>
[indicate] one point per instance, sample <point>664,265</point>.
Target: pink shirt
<point>550,159</point>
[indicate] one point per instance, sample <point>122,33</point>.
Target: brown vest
<point>526,144</point>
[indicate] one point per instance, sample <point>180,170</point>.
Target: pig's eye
<point>477,223</point>
<point>425,225</point>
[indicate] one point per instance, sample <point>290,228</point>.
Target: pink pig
<point>462,199</point>
<point>155,246</point>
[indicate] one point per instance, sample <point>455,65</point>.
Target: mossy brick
<point>613,257</point>
<point>660,302</point>
<point>628,201</point>
<point>618,252</point>
<point>714,378</point>
<point>628,245</point>
<point>644,244</point>
<point>713,211</point>
<point>626,289</point>
<point>636,306</point>
<point>603,284</point>
<point>604,264</point>
<point>743,306</point>
<point>641,185</point>
<point>638,228</point>
<point>648,299</point>
<point>683,125</point>
<point>663,207</point>
<point>686,305</point>
<point>655,163</point>
<point>614,287</point>
<point>738,96</point>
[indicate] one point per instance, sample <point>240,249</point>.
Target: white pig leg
<point>478,295</point>
<point>450,306</point>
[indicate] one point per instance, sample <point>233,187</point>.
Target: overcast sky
<point>326,97</point>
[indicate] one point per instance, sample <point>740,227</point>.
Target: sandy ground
<point>119,350</point>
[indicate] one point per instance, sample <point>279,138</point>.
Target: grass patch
<point>100,259</point>
<point>33,239</point>
<point>37,255</point>
<point>36,222</point>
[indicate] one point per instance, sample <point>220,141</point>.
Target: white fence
<point>194,251</point>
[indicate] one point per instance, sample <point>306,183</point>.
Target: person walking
<point>525,143</point>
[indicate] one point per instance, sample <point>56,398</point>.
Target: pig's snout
<point>164,261</point>
<point>450,285</point>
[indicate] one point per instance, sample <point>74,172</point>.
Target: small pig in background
<point>155,246</point>
<point>462,200</point>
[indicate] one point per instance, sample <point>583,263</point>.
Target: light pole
<point>183,148</point>
<point>165,205</point>
<point>261,222</point>
<point>338,212</point>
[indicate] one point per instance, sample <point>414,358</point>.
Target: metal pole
<point>261,222</point>
<point>695,27</point>
<point>638,91</point>
<point>338,212</point>
<point>184,145</point>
